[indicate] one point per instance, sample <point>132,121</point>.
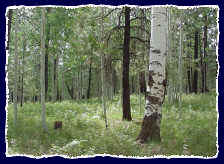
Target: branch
<point>122,27</point>
<point>69,90</point>
<point>141,40</point>
<point>104,16</point>
<point>139,18</point>
<point>112,30</point>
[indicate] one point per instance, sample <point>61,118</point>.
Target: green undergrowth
<point>186,129</point>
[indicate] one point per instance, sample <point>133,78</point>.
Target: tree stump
<point>58,125</point>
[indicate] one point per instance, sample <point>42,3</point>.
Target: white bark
<point>42,78</point>
<point>158,52</point>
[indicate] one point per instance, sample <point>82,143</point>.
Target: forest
<point>101,80</point>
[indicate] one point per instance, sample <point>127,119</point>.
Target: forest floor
<point>190,130</point>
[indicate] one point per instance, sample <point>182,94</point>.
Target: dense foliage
<point>73,59</point>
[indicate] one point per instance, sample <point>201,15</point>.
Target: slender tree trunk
<point>22,96</point>
<point>180,71</point>
<point>189,68</point>
<point>195,79</point>
<point>62,85</point>
<point>46,54</point>
<point>126,60</point>
<point>55,86</point>
<point>103,73</point>
<point>70,91</point>
<point>99,86</point>
<point>156,84</point>
<point>42,78</point>
<point>79,88</point>
<point>202,72</point>
<point>15,92</point>
<point>9,26</point>
<point>139,94</point>
<point>81,82</point>
<point>114,81</point>
<point>142,82</point>
<point>189,79</point>
<point>169,47</point>
<point>55,89</point>
<point>89,84</point>
<point>205,45</point>
<point>121,82</point>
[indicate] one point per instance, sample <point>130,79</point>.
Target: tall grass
<point>190,130</point>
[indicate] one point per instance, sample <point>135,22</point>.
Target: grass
<point>190,130</point>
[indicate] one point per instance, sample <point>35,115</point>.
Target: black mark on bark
<point>151,81</point>
<point>156,51</point>
<point>154,100</point>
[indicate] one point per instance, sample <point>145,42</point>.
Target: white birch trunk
<point>155,86</point>
<point>157,59</point>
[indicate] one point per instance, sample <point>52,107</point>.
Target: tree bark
<point>114,81</point>
<point>204,63</point>
<point>46,54</point>
<point>195,79</point>
<point>126,60</point>
<point>156,83</point>
<point>142,82</point>
<point>55,89</point>
<point>22,78</point>
<point>189,79</point>
<point>62,85</point>
<point>103,72</point>
<point>189,68</point>
<point>15,92</point>
<point>42,78</point>
<point>89,83</point>
<point>9,26</point>
<point>70,90</point>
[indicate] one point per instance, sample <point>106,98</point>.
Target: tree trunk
<point>204,66</point>
<point>195,79</point>
<point>202,72</point>
<point>22,78</point>
<point>89,84</point>
<point>81,82</point>
<point>189,68</point>
<point>55,89</point>
<point>62,86</point>
<point>180,71</point>
<point>15,92</point>
<point>189,79</point>
<point>70,90</point>
<point>142,82</point>
<point>103,73</point>
<point>42,78</point>
<point>9,26</point>
<point>156,83</point>
<point>46,54</point>
<point>126,60</point>
<point>114,81</point>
